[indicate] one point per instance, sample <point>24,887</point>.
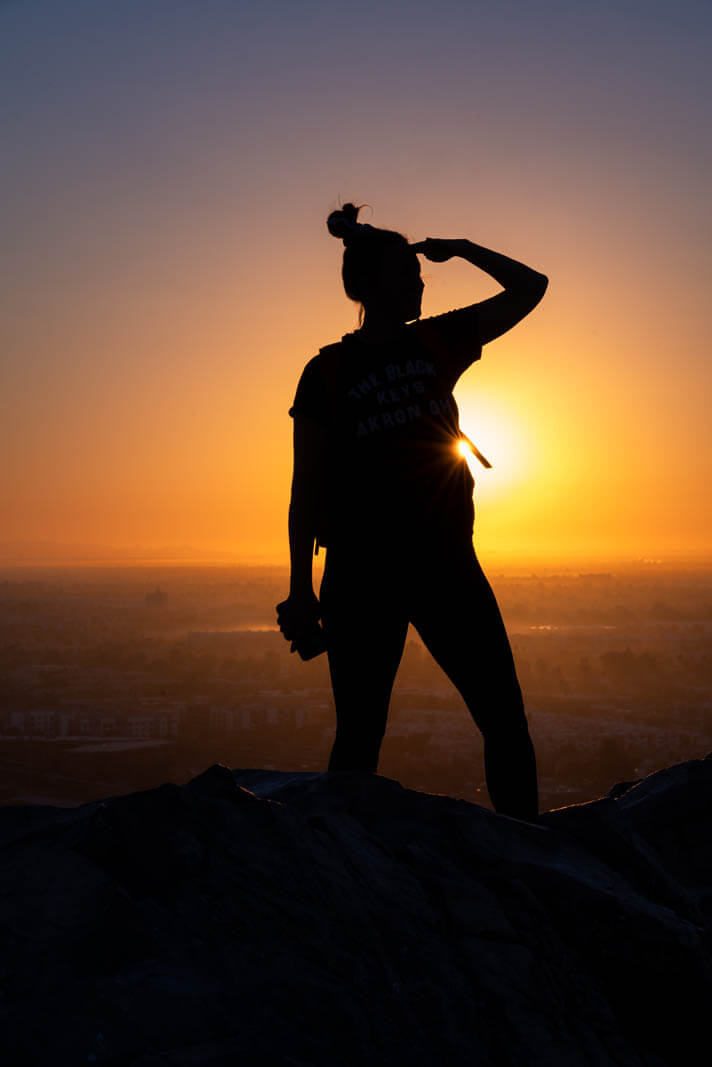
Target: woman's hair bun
<point>364,253</point>
<point>351,212</point>
<point>344,223</point>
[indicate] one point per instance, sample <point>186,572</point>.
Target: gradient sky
<point>167,172</point>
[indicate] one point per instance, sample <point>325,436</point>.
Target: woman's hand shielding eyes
<point>438,249</point>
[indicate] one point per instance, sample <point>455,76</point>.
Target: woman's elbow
<point>540,283</point>
<point>536,288</point>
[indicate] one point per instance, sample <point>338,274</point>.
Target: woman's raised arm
<point>523,286</point>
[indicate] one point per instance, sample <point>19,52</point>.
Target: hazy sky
<point>166,271</point>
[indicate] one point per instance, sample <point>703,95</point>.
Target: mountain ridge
<point>316,918</point>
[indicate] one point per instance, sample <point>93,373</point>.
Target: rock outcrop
<point>312,919</point>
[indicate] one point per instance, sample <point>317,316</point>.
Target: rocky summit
<point>338,918</point>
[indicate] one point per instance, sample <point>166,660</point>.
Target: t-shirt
<point>393,467</point>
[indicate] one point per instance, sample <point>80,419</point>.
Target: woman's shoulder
<point>334,348</point>
<point>325,355</point>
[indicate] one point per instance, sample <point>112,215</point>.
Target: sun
<point>498,437</point>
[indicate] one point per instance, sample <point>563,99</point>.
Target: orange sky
<point>171,271</point>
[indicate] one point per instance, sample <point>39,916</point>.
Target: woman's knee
<point>498,708</point>
<point>507,725</point>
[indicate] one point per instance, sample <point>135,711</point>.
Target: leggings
<point>367,602</point>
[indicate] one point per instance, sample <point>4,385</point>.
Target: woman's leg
<point>366,625</point>
<point>455,612</point>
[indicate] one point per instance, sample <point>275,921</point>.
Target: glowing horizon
<point>171,272</point>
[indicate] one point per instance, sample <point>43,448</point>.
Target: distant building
<point>141,726</point>
<point>16,722</point>
<point>43,723</point>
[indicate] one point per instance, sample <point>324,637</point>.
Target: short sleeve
<point>309,398</point>
<point>455,337</point>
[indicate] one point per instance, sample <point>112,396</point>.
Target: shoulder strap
<point>329,361</point>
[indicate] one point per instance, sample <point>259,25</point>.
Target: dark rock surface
<point>314,919</point>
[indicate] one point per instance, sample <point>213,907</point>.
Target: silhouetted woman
<point>380,481</point>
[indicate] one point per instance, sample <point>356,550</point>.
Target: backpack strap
<point>329,363</point>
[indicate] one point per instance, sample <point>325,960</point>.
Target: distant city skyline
<point>32,554</point>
